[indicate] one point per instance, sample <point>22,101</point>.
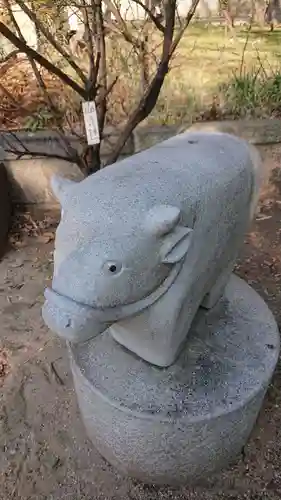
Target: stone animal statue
<point>144,243</point>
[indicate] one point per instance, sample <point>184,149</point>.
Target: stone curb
<point>30,176</point>
<point>259,132</point>
<point>266,131</point>
<point>40,142</point>
<point>49,141</point>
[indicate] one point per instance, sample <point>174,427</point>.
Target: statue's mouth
<point>78,322</point>
<point>73,321</point>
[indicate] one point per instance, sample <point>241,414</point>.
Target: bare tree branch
<point>27,152</point>
<point>23,47</point>
<point>48,35</point>
<point>11,55</point>
<point>71,153</point>
<point>92,79</point>
<point>185,24</point>
<point>44,154</point>
<point>36,72</point>
<point>150,14</point>
<point>101,49</point>
<point>123,28</point>
<point>169,10</point>
<point>99,32</point>
<point>149,99</point>
<point>95,85</point>
<point>18,140</point>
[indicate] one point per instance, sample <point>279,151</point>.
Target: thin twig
<point>91,82</point>
<point>20,154</point>
<point>37,73</point>
<point>153,18</point>
<point>184,25</point>
<point>101,75</point>
<point>244,50</point>
<point>148,100</point>
<point>72,154</point>
<point>121,25</point>
<point>15,136</point>
<point>9,56</point>
<point>56,374</point>
<point>150,96</point>
<point>23,47</point>
<point>11,97</point>
<point>48,35</point>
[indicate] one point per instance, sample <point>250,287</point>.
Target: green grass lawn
<point>212,75</point>
<point>242,75</point>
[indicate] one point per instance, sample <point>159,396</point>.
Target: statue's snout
<point>70,320</point>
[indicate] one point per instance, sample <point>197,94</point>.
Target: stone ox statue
<point>144,243</point>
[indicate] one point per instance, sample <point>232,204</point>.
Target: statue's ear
<point>60,187</point>
<point>164,222</point>
<point>176,245</point>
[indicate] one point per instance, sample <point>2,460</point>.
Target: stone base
<point>179,424</point>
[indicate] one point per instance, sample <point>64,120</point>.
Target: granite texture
<point>143,243</point>
<point>179,424</point>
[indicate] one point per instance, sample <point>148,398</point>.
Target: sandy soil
<point>45,453</point>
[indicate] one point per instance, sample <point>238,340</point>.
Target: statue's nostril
<point>68,324</point>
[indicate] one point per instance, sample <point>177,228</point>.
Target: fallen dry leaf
<point>46,238</point>
<point>4,364</point>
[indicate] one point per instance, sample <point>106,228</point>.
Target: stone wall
<point>30,176</point>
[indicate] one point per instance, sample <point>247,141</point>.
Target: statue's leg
<point>217,290</point>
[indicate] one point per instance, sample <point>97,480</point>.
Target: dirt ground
<point>45,453</point>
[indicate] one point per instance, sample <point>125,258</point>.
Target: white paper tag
<point>91,122</point>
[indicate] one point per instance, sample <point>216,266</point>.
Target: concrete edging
<point>23,169</point>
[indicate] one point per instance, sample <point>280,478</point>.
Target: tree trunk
<point>92,159</point>
<point>144,64</point>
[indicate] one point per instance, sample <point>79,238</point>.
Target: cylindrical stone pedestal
<point>175,425</point>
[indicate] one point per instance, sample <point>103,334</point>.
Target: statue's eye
<point>113,267</point>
